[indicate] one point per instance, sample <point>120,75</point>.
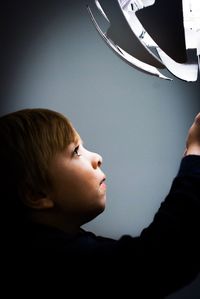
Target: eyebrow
<point>79,140</point>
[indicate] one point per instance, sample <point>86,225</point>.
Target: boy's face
<point>78,186</point>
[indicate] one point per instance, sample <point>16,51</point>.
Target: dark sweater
<point>161,260</point>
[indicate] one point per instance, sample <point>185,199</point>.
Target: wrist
<point>193,150</point>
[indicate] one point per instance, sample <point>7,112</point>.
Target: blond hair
<point>29,140</point>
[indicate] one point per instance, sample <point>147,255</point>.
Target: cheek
<point>84,190</point>
<point>73,186</point>
<point>75,181</point>
<point>85,187</point>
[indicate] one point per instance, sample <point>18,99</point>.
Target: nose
<point>96,160</point>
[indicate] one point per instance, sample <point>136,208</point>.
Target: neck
<point>57,221</point>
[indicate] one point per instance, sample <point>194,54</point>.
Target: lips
<point>102,181</point>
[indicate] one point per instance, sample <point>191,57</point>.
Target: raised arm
<point>166,256</point>
<point>171,242</point>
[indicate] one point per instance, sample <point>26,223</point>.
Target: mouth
<point>102,181</point>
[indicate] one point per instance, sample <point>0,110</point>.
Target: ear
<point>38,201</point>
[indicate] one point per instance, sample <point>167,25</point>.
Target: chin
<point>92,215</point>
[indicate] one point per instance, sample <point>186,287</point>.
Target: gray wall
<point>137,122</point>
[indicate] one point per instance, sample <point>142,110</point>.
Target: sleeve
<point>167,253</point>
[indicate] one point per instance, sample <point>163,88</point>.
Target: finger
<point>197,119</point>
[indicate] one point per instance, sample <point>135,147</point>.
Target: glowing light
<point>127,35</point>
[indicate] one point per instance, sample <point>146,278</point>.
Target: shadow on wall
<point>20,22</point>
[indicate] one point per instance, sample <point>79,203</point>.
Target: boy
<point>51,185</point>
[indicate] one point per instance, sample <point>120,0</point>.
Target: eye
<point>76,151</point>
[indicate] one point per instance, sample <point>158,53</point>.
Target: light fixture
<point>153,34</point>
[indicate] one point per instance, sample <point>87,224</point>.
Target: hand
<point>193,138</point>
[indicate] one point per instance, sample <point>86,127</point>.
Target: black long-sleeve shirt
<point>161,260</point>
